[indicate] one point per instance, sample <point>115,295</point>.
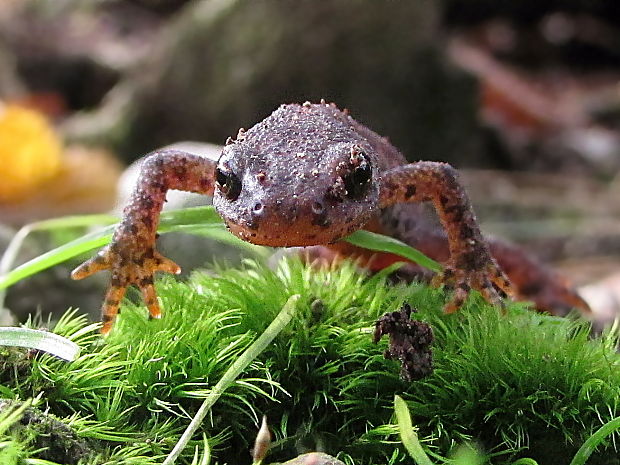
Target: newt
<point>310,175</point>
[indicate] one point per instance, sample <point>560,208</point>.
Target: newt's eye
<point>357,180</point>
<point>228,183</point>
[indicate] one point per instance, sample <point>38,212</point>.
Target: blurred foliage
<point>227,64</point>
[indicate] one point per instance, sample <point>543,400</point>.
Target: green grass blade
<point>38,462</point>
<point>525,461</point>
<point>280,321</point>
<point>467,454</point>
<point>218,232</point>
<point>205,457</point>
<point>11,415</point>
<point>407,434</point>
<point>12,250</point>
<point>10,254</point>
<point>40,340</point>
<point>378,242</point>
<point>56,256</point>
<point>593,441</point>
<point>197,220</point>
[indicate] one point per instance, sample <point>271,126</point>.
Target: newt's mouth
<point>301,234</point>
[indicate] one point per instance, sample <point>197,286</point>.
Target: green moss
<point>517,383</point>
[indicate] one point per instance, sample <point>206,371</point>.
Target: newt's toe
<point>165,264</point>
<point>458,298</point>
<point>110,307</point>
<point>150,299</point>
<point>129,266</point>
<point>490,281</point>
<point>98,263</point>
<point>501,282</point>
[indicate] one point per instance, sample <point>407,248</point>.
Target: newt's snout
<point>290,222</point>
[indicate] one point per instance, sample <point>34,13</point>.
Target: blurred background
<point>523,96</point>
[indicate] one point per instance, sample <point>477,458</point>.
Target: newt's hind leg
<point>470,264</point>
<point>131,256</point>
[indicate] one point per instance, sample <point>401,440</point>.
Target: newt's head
<point>303,176</point>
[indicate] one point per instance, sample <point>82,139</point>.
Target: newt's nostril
<point>317,208</point>
<point>258,208</point>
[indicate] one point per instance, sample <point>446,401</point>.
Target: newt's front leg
<point>471,265</point>
<point>131,256</point>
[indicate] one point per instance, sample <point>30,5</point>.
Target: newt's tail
<point>536,282</point>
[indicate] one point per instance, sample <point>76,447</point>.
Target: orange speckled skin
<point>309,175</point>
<point>131,256</point>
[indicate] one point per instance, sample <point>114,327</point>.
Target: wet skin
<point>310,175</point>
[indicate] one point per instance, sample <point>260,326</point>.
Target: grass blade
<point>40,340</point>
<point>378,242</point>
<point>198,220</point>
<point>593,441</point>
<point>11,415</point>
<point>12,250</point>
<point>205,457</point>
<point>47,225</point>
<point>56,256</point>
<point>203,221</point>
<point>280,321</point>
<point>407,434</point>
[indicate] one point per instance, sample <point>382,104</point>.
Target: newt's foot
<point>490,281</point>
<point>128,267</point>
